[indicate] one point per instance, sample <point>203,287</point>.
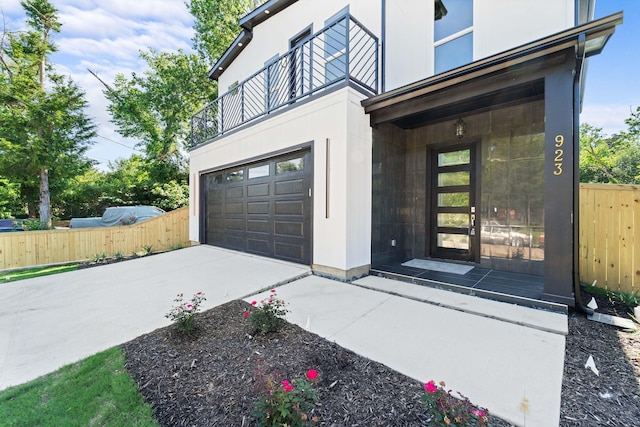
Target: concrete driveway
<point>48,322</point>
<point>496,354</point>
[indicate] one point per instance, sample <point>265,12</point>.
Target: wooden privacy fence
<point>28,248</point>
<point>610,236</point>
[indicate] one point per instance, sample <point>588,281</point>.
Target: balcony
<point>342,52</point>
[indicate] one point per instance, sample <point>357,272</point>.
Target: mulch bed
<point>611,398</point>
<point>209,378</point>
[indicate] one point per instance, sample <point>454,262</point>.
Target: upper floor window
<point>453,34</point>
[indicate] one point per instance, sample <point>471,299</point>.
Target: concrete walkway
<point>496,354</point>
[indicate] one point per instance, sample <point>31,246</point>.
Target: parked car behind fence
<point>118,215</point>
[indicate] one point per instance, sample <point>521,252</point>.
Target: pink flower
<point>245,314</point>
<point>312,374</point>
<point>287,386</point>
<point>478,413</point>
<point>199,293</point>
<point>430,387</point>
<point>273,290</point>
<point>254,302</point>
<point>189,306</point>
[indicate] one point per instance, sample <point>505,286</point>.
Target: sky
<point>106,36</point>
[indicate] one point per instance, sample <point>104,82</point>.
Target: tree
<point>156,107</point>
<point>614,159</point>
<point>44,131</point>
<point>216,25</point>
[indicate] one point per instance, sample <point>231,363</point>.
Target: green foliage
<point>156,107</point>
<point>33,224</point>
<point>216,24</point>
<point>269,315</point>
<point>9,198</point>
<point>94,391</point>
<point>285,403</point>
<point>12,276</point>
<point>630,299</point>
<point>99,257</point>
<point>183,315</point>
<point>614,159</point>
<point>44,131</point>
<point>146,250</point>
<point>118,256</point>
<point>449,410</point>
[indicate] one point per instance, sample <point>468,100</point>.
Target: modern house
<point>434,142</point>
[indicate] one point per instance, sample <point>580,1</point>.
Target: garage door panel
<point>236,224</point>
<point>234,208</point>
<point>256,190</point>
<point>234,193</point>
<point>285,228</point>
<point>215,210</point>
<point>258,226</point>
<point>289,251</point>
<point>234,242</point>
<point>290,187</point>
<point>258,207</point>
<point>258,246</point>
<point>289,207</point>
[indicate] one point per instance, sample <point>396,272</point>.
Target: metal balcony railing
<point>343,50</point>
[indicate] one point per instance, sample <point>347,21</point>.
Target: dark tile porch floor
<point>505,286</point>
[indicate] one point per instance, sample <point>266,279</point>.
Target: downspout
<point>383,34</point>
<point>580,59</point>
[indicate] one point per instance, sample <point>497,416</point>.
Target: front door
<point>452,203</point>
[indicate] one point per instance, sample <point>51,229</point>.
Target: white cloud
<point>609,117</point>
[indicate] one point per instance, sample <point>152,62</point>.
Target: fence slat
<point>29,248</point>
<point>610,235</point>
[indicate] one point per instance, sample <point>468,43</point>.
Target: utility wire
<point>119,143</point>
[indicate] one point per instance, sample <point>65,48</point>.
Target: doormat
<point>445,267</point>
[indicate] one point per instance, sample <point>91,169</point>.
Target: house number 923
<point>559,153</point>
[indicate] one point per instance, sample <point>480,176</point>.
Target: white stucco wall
<point>343,240</point>
<point>498,25</point>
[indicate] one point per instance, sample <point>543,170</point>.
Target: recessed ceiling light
<point>266,11</point>
<point>219,68</point>
<point>240,44</point>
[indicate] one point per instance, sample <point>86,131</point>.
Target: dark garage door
<point>262,208</point>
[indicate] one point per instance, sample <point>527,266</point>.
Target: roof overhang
<point>230,54</point>
<point>264,12</point>
<point>518,67</point>
<point>247,23</point>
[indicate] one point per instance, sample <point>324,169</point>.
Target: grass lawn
<point>95,391</point>
<point>35,272</point>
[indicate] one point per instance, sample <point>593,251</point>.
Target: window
<point>259,171</point>
<point>236,175</point>
<point>453,34</point>
<point>335,46</point>
<point>291,165</point>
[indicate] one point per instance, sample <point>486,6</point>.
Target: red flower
<point>312,374</point>
<point>199,293</point>
<point>245,314</point>
<point>478,413</point>
<point>287,386</point>
<point>273,290</point>
<point>254,302</point>
<point>430,387</point>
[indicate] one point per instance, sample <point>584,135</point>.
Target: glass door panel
<point>452,202</point>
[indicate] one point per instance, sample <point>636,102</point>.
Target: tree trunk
<point>45,199</point>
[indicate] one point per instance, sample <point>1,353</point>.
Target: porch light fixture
<point>460,128</point>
